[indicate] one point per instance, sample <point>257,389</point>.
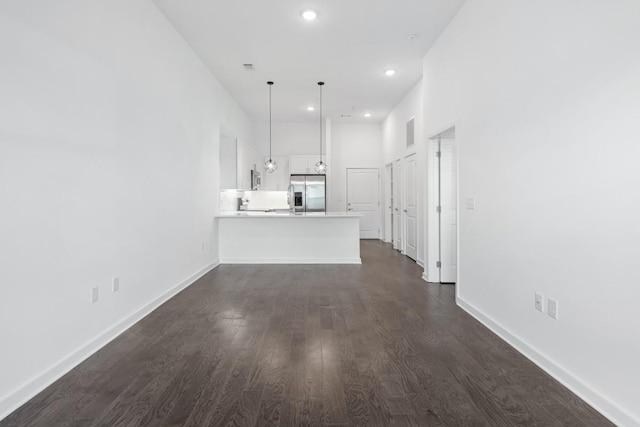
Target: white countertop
<point>259,214</point>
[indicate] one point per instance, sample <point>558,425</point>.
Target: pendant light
<point>321,167</point>
<point>270,165</point>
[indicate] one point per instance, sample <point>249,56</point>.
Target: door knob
<point>405,210</point>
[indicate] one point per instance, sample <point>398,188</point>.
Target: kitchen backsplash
<point>257,200</point>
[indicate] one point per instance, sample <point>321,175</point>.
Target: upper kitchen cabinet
<point>278,180</point>
<point>303,164</point>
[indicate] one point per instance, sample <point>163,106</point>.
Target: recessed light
<point>311,108</point>
<point>390,72</point>
<point>309,15</point>
<point>367,114</point>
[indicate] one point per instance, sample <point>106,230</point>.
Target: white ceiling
<point>348,46</point>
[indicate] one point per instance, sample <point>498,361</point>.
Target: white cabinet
<point>278,180</point>
<point>304,164</point>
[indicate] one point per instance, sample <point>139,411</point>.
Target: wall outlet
<point>115,285</point>
<point>95,293</point>
<point>539,302</point>
<point>552,308</point>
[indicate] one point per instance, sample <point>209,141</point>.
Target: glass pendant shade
<point>321,167</point>
<point>270,166</point>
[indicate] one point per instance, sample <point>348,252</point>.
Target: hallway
<point>309,345</point>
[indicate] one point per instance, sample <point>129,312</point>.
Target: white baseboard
<point>420,263</point>
<point>606,407</point>
<point>262,260</point>
<point>19,397</point>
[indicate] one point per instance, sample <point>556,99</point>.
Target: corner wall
<point>109,128</point>
<point>545,97</point>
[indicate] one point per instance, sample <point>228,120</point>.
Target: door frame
<point>378,213</point>
<point>432,238</point>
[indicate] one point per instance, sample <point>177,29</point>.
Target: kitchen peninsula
<point>287,238</point>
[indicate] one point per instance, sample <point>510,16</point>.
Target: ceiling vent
<point>345,115</point>
<point>248,67</point>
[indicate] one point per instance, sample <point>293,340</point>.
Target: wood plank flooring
<point>296,345</point>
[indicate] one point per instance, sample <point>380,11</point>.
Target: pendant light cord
<point>320,84</point>
<point>270,84</point>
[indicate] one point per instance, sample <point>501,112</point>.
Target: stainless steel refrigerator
<point>307,193</point>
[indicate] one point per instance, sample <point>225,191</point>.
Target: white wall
<point>545,97</point>
<point>353,145</point>
<point>288,138</point>
<point>109,128</point>
<point>394,147</point>
<point>249,158</point>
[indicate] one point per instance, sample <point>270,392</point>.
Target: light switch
<point>552,308</point>
<point>470,203</point>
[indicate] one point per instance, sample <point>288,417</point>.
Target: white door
<point>362,198</point>
<point>397,206</point>
<point>448,212</point>
<point>410,210</point>
<point>388,204</point>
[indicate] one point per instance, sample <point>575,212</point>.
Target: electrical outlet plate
<point>552,308</point>
<point>539,302</point>
<point>116,284</point>
<point>95,294</point>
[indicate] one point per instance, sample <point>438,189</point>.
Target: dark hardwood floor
<point>294,345</point>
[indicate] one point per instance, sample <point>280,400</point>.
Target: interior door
<point>388,204</point>
<point>410,210</point>
<point>397,206</point>
<point>363,198</point>
<point>448,212</point>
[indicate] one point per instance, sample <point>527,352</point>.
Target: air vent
<point>248,67</point>
<point>411,132</point>
<point>345,115</point>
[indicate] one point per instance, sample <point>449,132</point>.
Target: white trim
<point>425,277</point>
<point>442,130</point>
<point>27,391</point>
<point>609,409</point>
<point>264,260</point>
<point>420,263</point>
